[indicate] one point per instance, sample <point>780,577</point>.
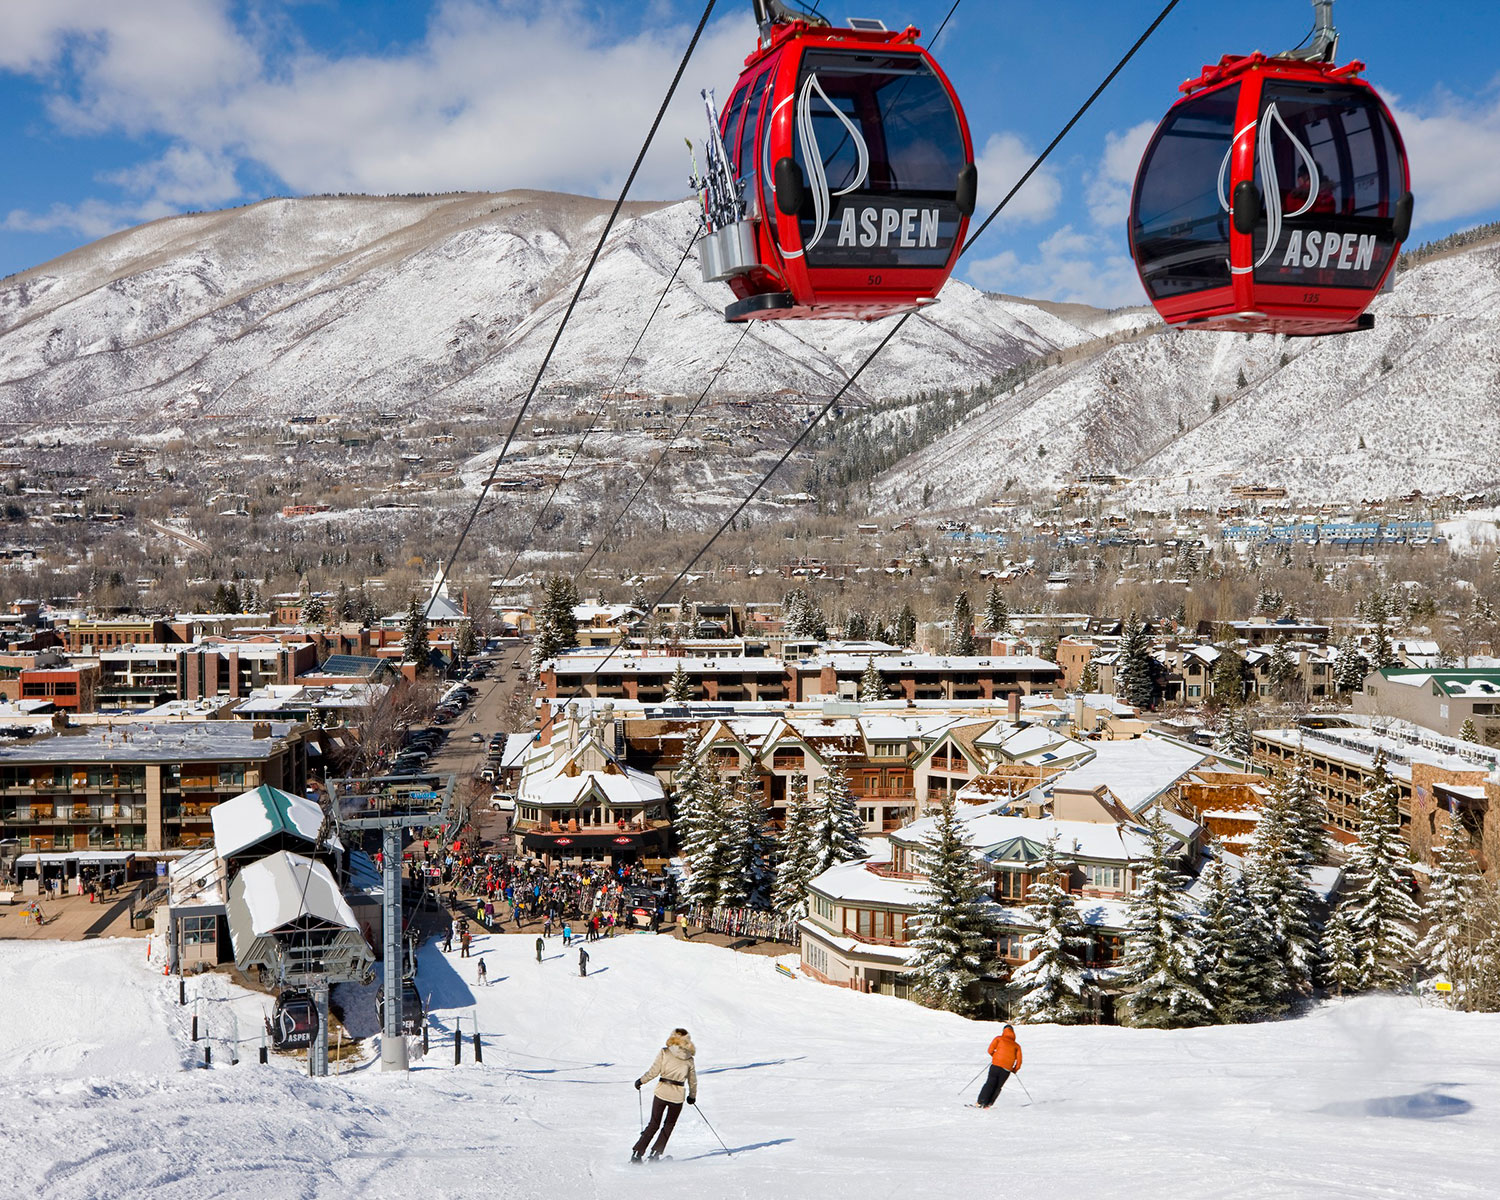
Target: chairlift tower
<point>391,804</point>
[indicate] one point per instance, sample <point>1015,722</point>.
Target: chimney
<point>260,730</point>
<point>1013,707</point>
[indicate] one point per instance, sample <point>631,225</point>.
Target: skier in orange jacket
<point>1005,1061</point>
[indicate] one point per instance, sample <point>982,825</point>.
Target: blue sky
<point>124,112</point>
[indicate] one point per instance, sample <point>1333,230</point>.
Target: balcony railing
<point>886,871</point>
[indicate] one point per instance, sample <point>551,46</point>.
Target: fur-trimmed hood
<point>681,1045</point>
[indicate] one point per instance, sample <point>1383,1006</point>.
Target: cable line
<point>599,408</point>
<point>896,328</point>
<point>577,292</point>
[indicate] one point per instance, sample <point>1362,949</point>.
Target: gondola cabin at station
<point>1274,197</point>
<point>840,176</point>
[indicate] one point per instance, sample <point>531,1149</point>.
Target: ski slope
<point>819,1091</point>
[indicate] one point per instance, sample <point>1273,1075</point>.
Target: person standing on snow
<point>677,1077</point>
<point>484,974</point>
<point>1005,1061</point>
<point>540,946</point>
<point>583,961</point>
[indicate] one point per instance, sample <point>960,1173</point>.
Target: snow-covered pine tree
<point>954,932</point>
<point>837,831</point>
<point>1341,966</point>
<point>996,612</point>
<point>1453,901</point>
<point>708,850</point>
<point>1136,685</point>
<point>1241,972</point>
<point>680,686</point>
<point>468,641</point>
<point>856,627</point>
<point>314,610</point>
<point>1281,892</point>
<point>1052,983</point>
<point>1233,737</point>
<point>748,880</point>
<point>687,788</point>
<point>1282,669</point>
<point>414,644</point>
<point>796,862</point>
<point>1228,678</point>
<point>961,632</point>
<point>906,625</point>
<point>1468,731</point>
<point>871,685</point>
<point>1349,666</point>
<point>1307,816</point>
<point>1163,988</point>
<point>1382,910</point>
<point>1088,682</point>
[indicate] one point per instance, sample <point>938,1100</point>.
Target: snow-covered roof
<point>852,882</point>
<point>990,829</point>
<point>919,664</point>
<point>628,789</point>
<point>278,889</point>
<point>1135,771</point>
<point>181,741</point>
<point>261,813</point>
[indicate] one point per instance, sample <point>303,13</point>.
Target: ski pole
<point>640,1107</point>
<point>1024,1088</point>
<point>714,1131</point>
<point>971,1082</point>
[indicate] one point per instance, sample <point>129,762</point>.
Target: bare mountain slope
<point>1415,403</point>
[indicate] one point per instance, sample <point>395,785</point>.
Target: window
<point>1179,228</point>
<point>199,931</point>
<point>815,956</point>
<point>1008,946</point>
<point>867,815</point>
<point>1354,186</point>
<point>1011,885</point>
<point>822,906</point>
<point>888,152</point>
<point>1107,879</point>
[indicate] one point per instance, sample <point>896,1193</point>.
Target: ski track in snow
<point>819,1091</point>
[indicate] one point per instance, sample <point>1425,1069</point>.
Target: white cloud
<point>494,96</point>
<point>1109,193</point>
<point>1003,160</point>
<point>1455,157</point>
<point>1070,266</point>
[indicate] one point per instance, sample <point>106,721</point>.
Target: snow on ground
<point>819,1091</point>
<point>1472,530</point>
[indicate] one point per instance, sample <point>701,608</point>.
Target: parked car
<point>476,737</point>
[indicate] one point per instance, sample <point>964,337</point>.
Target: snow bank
<point>819,1091</point>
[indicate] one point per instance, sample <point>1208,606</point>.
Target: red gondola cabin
<point>1272,199</point>
<point>840,177</point>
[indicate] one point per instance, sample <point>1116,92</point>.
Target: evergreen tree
<point>468,643</point>
<point>1307,816</point>
<point>1452,904</point>
<point>1228,678</point>
<point>414,644</point>
<point>837,831</point>
<point>687,787</point>
<point>1088,682</point>
<point>961,633</point>
<point>1281,890</point>
<point>1341,967</point>
<point>1135,683</point>
<point>1240,969</point>
<point>906,625</point>
<point>368,613</point>
<point>680,686</point>
<point>856,628</point>
<point>556,623</point>
<point>797,861</point>
<point>1052,982</point>
<point>747,879</point>
<point>1163,988</point>
<point>314,611</point>
<point>1380,648</point>
<point>996,612</point>
<point>1382,910</point>
<point>954,937</point>
<point>801,618</point>
<point>871,685</point>
<point>1468,731</point>
<point>232,600</point>
<point>343,603</point>
<point>1282,668</point>
<point>1349,666</point>
<point>709,849</point>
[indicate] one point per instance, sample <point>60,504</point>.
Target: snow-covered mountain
<point>362,305</point>
<point>419,304</point>
<point>1414,403</point>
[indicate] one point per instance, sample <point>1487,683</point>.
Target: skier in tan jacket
<point>677,1077</point>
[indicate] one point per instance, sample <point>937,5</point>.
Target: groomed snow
<point>820,1091</point>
